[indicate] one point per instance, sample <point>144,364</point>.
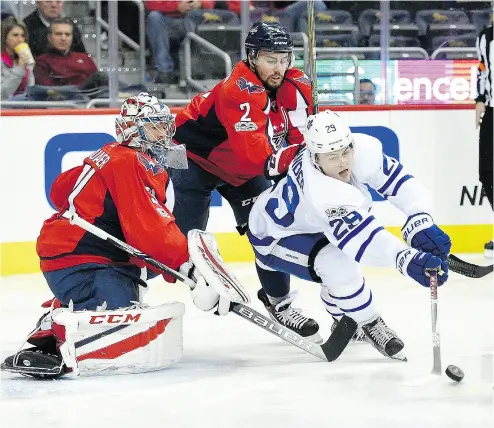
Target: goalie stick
<point>468,269</point>
<point>328,351</point>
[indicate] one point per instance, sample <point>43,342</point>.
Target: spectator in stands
<point>367,92</point>
<point>39,21</point>
<point>16,69</point>
<point>169,20</point>
<point>61,65</point>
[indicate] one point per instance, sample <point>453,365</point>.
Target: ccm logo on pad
<point>114,319</point>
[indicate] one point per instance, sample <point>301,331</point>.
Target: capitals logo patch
<point>303,79</point>
<point>149,164</point>
<point>249,86</point>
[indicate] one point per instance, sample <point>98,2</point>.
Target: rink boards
<point>437,144</point>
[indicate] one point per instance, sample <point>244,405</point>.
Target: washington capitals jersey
<point>125,193</point>
<point>307,201</point>
<point>231,130</point>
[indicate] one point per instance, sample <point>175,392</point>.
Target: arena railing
<point>139,47</point>
<point>106,102</point>
<point>469,52</point>
<point>40,104</point>
<point>341,52</point>
<point>187,66</point>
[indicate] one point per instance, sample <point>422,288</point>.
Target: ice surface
<point>236,375</point>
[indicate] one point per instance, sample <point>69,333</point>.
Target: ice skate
<point>358,337</point>
<point>290,317</point>
<point>385,340</point>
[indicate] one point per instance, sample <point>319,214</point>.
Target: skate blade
<point>37,373</point>
<point>399,356</point>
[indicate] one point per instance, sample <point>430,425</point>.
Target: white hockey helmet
<point>326,132</point>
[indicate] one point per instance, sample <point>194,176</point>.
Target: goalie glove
<point>203,295</point>
<point>421,233</point>
<point>276,165</point>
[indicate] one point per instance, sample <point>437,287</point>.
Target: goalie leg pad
<point>130,340</point>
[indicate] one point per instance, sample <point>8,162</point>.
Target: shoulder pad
<point>298,76</point>
<point>296,84</point>
<point>243,85</point>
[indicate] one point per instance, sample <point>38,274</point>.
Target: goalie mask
<point>147,124</point>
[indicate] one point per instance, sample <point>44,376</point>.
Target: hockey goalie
<point>97,323</point>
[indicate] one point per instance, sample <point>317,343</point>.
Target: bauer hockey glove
<point>421,233</point>
<point>204,296</point>
<point>414,264</point>
<point>276,165</point>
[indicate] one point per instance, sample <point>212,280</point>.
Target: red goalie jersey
<point>231,130</point>
<point>125,193</point>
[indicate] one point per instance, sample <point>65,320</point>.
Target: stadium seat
<point>400,20</point>
<point>436,23</point>
<point>336,41</point>
<point>481,18</point>
<point>330,22</point>
<point>272,16</point>
<point>431,19</point>
<point>225,37</point>
<point>395,41</point>
<point>456,41</point>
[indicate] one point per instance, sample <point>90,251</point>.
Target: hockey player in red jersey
<point>123,189</point>
<point>240,136</point>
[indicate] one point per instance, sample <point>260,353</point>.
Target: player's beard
<point>269,86</point>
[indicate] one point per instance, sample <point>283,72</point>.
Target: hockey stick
<point>436,340</point>
<point>311,66</point>
<point>328,351</point>
<point>468,269</point>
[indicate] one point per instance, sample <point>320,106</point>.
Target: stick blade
<point>340,338</point>
<point>468,269</point>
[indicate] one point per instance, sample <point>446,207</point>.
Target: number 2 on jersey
<point>245,117</point>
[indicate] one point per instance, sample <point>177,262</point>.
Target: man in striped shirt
<point>483,116</point>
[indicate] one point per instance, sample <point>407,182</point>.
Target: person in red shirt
<point>171,20</point>
<point>61,65</point>
<point>239,136</point>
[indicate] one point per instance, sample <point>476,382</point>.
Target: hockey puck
<point>455,373</point>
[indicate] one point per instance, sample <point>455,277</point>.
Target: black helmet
<point>268,37</point>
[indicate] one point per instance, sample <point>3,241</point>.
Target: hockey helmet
<point>326,132</point>
<point>270,37</point>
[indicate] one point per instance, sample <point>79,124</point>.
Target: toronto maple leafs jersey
<point>307,201</point>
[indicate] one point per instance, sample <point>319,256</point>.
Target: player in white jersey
<point>315,223</point>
